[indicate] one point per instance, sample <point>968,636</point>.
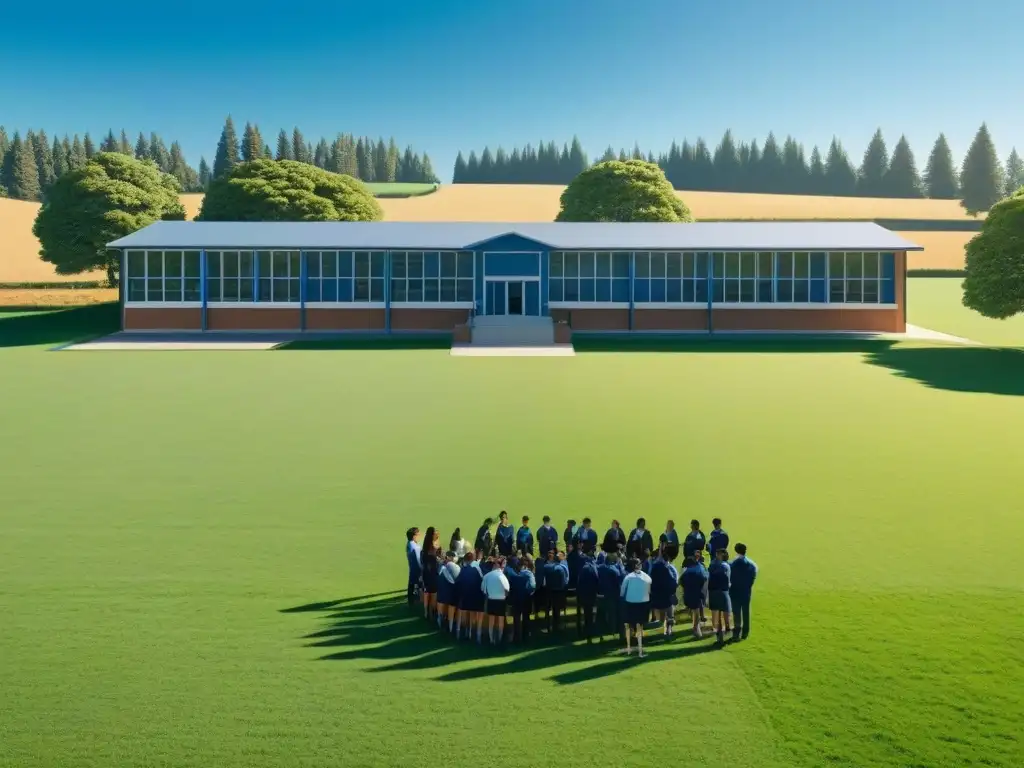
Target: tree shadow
<point>383,628</point>
<point>35,326</point>
<point>983,370</point>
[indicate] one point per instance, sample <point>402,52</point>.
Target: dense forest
<point>31,163</point>
<point>769,167</point>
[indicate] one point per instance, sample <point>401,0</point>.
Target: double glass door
<point>512,297</point>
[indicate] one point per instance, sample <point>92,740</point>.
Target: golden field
<point>20,262</point>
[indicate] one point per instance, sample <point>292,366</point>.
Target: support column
<point>303,271</point>
<point>204,291</point>
<point>256,274</point>
<point>122,284</point>
<point>711,294</point>
<point>387,291</point>
<point>632,281</point>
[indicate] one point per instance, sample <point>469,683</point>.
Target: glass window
<point>674,265</point>
<point>604,265</point>
<point>555,289</point>
<point>642,265</point>
<point>572,264</point>
<point>586,265</point>
<point>556,264</point>
<point>836,266</point>
<point>362,260</point>
<point>447,264</point>
<point>136,289</point>
<point>448,288</point>
<point>172,264</point>
<point>135,263</point>
<point>431,264</point>
<point>154,264</point>
<point>465,289</point>
<point>346,264</point>
<point>784,264</point>
<point>620,264</point>
<point>801,265</point>
<point>465,266</point>
<point>155,289</point>
<point>586,289</point>
<point>748,265</point>
<point>658,265</point>
<point>604,289</point>
<point>431,289</point>
<point>764,265</point>
<point>415,265</point>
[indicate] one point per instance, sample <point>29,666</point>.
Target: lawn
<point>200,552</point>
<point>400,189</point>
<point>937,303</point>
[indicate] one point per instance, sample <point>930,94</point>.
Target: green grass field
<point>200,552</point>
<point>400,189</point>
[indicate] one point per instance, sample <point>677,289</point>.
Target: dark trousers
<point>556,601</point>
<point>521,616</point>
<point>412,592</point>
<point>740,616</point>
<point>585,619</point>
<point>540,601</point>
<point>608,615</point>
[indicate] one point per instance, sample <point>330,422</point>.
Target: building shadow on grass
<point>51,326</point>
<point>383,628</point>
<point>985,370</point>
<point>369,342</point>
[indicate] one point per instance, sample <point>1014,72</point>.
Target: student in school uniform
<point>495,587</point>
<point>556,584</point>
<point>524,538</point>
<point>484,543</point>
<point>573,557</point>
<point>664,580</point>
<point>505,536</point>
<point>639,540</point>
<point>741,588</point>
<point>614,538</point>
<point>610,574</point>
<point>699,557</point>
<point>429,567</point>
<point>587,587</point>
<point>636,592</point>
<point>719,582</point>
<point>447,586</point>
<point>647,561</point>
<point>471,598</point>
<point>540,593</point>
<point>458,545</point>
<point>586,536</point>
<point>694,582</point>
<point>412,555</point>
<point>671,535</point>
<point>717,539</point>
<point>695,540</point>
<point>569,534</point>
<point>547,539</point>
<point>521,586</point>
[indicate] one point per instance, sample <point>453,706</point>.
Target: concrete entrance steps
<point>513,330</point>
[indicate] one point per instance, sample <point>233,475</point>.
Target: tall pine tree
<point>252,143</point>
<point>109,143</point>
<point>60,157</point>
<point>816,183</point>
<point>205,174</point>
<point>299,146</point>
<point>44,161</point>
<point>727,164</point>
<point>24,174</point>
<point>227,151</point>
<point>124,145</point>
<point>142,148</point>
<point>770,175</point>
<point>981,177</point>
<point>794,167</point>
<point>459,174</point>
<point>380,161</point>
<point>88,146</point>
<point>940,180</point>
<point>1014,173</point>
<point>871,182</point>
<point>77,157</point>
<point>840,176</point>
<point>284,146</point>
<point>901,179</point>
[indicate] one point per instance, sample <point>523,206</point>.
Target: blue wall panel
<point>478,282</point>
<point>511,264</point>
<point>889,278</point>
<point>510,243</point>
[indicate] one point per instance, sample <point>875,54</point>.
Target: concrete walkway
<point>556,350</point>
<point>916,333</point>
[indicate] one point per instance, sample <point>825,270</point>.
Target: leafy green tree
<point>1014,173</point>
<point>205,174</point>
<point>634,190</point>
<point>284,147</point>
<point>840,176</point>
<point>252,143</point>
<point>287,190</point>
<point>994,285</point>
<point>902,179</point>
<point>88,146</point>
<point>44,160</point>
<point>77,157</point>
<point>60,157</point>
<point>111,196</point>
<point>940,180</point>
<point>871,182</point>
<point>981,177</point>
<point>142,148</point>
<point>227,151</point>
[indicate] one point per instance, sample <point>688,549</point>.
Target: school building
<point>462,277</point>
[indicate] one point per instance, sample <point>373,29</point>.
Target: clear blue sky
<point>445,75</point>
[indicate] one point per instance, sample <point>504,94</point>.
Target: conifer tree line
<point>31,163</point>
<point>772,167</point>
<point>361,158</point>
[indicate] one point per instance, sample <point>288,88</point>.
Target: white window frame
<point>423,302</point>
<point>217,299</point>
<point>610,279</point>
<point>277,282</point>
<point>146,302</point>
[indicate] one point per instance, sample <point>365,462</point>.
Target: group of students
<point>620,586</point>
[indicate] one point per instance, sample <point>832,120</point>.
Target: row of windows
<point>448,276</point>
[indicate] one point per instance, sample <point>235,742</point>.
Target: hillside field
<point>19,249</point>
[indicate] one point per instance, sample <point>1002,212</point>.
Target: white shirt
<point>461,548</point>
<point>495,585</point>
<point>451,572</point>
<point>636,588</point>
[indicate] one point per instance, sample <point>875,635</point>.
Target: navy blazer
<point>588,582</point>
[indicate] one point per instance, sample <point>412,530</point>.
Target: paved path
<point>558,350</point>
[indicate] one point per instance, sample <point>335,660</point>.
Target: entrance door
<point>495,298</point>
<point>515,297</point>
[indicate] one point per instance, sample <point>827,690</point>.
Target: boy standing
<point>524,538</point>
<point>744,572</point>
<point>412,554</point>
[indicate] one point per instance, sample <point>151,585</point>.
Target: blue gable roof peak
<point>509,241</point>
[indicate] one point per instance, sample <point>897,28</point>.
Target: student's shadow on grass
<point>983,370</point>
<point>383,628</point>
